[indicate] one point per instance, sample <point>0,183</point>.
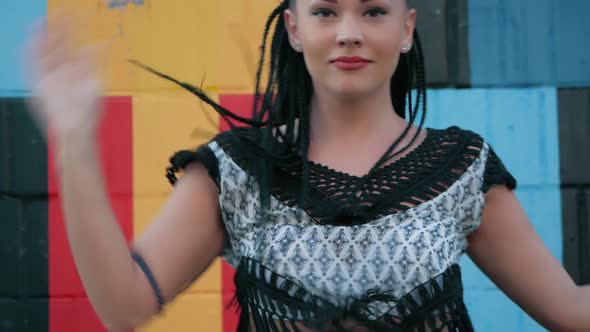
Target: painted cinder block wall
<point>517,72</point>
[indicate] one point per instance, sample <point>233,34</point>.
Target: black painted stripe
<point>23,221</point>
<point>444,30</point>
<point>574,142</point>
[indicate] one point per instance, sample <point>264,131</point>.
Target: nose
<point>349,33</point>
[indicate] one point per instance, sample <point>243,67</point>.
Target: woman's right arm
<point>185,236</point>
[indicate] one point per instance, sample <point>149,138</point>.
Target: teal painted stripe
<point>521,125</point>
<point>529,43</point>
<point>16,19</point>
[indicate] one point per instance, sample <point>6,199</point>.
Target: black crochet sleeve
<point>181,159</point>
<point>496,173</point>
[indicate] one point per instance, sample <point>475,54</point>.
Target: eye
<point>323,12</point>
<point>374,12</point>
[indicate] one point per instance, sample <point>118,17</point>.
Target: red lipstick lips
<point>350,63</point>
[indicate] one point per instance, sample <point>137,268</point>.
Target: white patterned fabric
<point>396,252</point>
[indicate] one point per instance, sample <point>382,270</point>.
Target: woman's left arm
<point>509,251</point>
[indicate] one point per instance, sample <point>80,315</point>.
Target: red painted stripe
<point>240,105</point>
<point>69,309</point>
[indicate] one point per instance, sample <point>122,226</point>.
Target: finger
<point>35,46</point>
<point>91,54</point>
<point>85,64</point>
<point>44,52</point>
<point>59,42</point>
<point>92,59</point>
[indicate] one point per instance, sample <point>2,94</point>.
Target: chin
<point>352,90</point>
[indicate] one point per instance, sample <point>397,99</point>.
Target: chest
<point>392,254</point>
<point>354,161</point>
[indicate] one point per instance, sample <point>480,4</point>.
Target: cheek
<point>387,40</point>
<point>317,55</point>
<point>319,40</point>
<point>387,49</point>
<point>392,60</point>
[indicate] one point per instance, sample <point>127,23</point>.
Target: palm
<point>64,85</point>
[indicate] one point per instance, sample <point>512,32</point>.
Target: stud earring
<point>406,48</point>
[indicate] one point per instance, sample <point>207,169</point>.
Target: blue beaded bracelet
<point>150,276</point>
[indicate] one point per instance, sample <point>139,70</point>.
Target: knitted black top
<point>372,253</point>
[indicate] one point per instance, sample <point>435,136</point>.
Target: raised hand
<point>63,78</point>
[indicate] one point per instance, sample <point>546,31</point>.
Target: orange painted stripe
<point>69,308</point>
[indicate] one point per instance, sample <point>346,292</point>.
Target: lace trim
<point>270,302</point>
<point>338,198</point>
<point>496,173</point>
<point>181,159</point>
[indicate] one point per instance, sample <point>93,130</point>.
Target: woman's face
<point>350,47</point>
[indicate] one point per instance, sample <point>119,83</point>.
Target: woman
<point>338,211</point>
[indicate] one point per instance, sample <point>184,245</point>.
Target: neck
<point>355,120</point>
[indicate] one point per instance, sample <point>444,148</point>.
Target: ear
<point>291,27</point>
<point>409,26</point>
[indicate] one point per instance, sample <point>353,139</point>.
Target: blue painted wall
<point>521,125</point>
<point>536,47</point>
<point>16,18</point>
<point>529,42</point>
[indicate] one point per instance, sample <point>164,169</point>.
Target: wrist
<point>72,148</point>
<point>71,136</point>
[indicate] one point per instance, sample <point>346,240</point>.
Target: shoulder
<point>472,147</point>
<point>458,135</point>
<point>235,139</point>
<point>465,141</point>
<point>458,147</point>
<point>212,154</point>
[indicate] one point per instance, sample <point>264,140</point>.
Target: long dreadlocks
<point>285,102</point>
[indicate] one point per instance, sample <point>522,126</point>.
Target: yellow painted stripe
<point>171,35</point>
<point>163,123</point>
<point>212,41</point>
<point>241,28</point>
<point>190,313</point>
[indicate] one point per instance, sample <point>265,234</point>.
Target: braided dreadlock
<point>285,103</point>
